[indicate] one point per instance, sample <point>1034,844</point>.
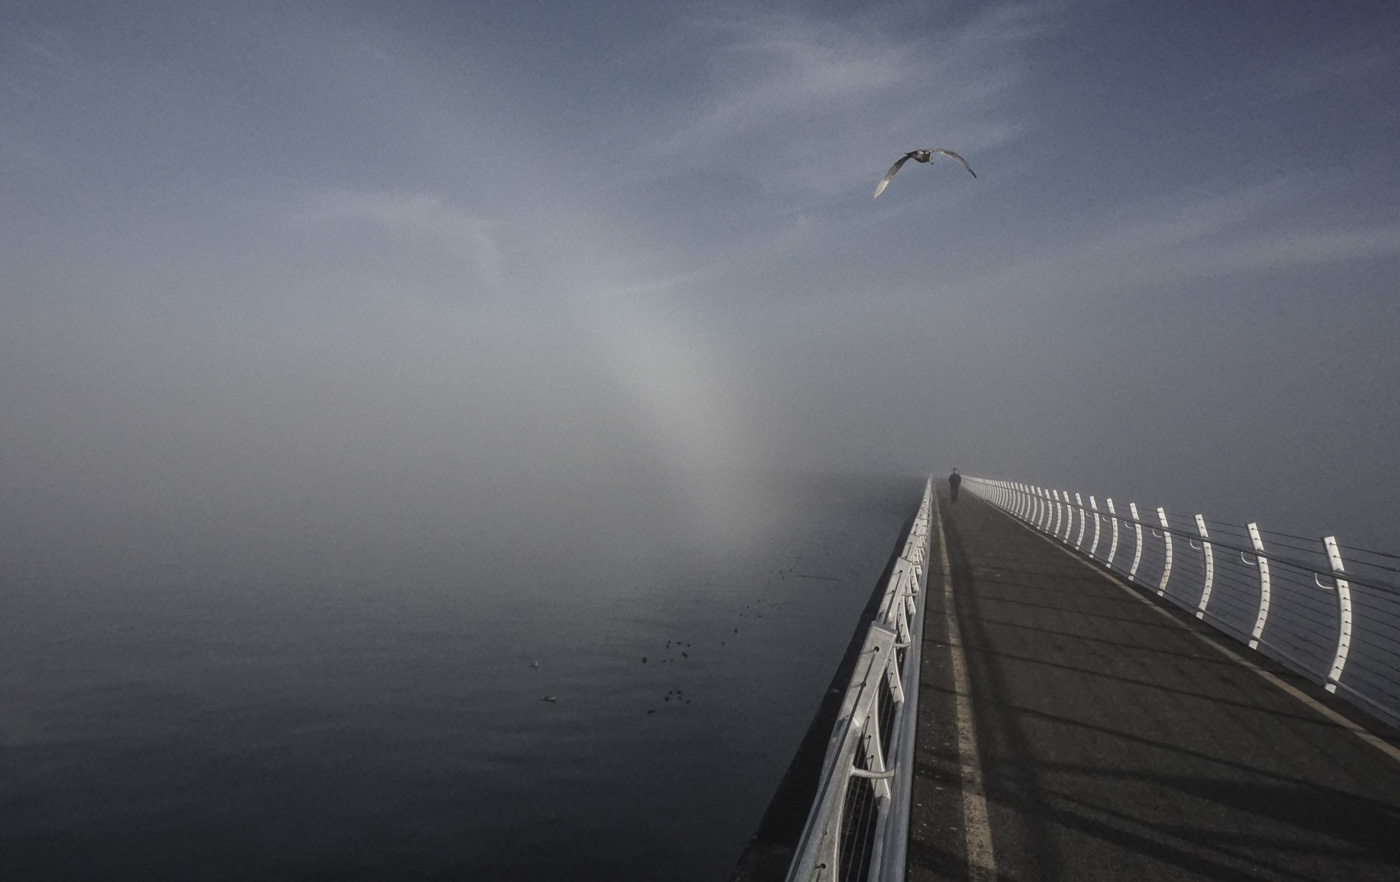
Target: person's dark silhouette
<point>953,481</point>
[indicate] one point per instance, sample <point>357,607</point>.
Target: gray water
<point>311,695</point>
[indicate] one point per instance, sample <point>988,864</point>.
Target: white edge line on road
<point>977,830</point>
<point>1360,732</point>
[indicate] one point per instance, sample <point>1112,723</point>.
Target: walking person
<point>953,481</point>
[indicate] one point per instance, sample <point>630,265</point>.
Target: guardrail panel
<point>858,825</point>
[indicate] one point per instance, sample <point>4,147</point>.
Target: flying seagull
<point>919,156</point>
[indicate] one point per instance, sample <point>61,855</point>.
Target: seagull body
<point>919,156</point>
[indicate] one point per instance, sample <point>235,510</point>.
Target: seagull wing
<point>951,155</point>
<point>885,181</point>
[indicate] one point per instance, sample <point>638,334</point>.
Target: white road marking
<point>1378,743</point>
<point>977,830</point>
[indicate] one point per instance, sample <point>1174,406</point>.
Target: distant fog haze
<point>572,262</point>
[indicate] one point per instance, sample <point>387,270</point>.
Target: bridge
<point>1048,689</point>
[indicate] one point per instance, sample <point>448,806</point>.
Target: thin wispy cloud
<point>1264,229</point>
<point>804,104</point>
<point>411,217</point>
<point>1301,248</point>
<point>1328,72</point>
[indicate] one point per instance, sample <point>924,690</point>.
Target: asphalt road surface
<point>1116,742</point>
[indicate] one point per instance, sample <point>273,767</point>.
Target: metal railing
<point>858,828</point>
<point>1288,597</point>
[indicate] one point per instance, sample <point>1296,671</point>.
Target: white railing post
<point>1210,566</point>
<point>1079,503</point>
<point>1042,510</point>
<point>1094,546</point>
<point>1069,517</point>
<point>1137,550</point>
<point>875,753</point>
<point>1343,589</point>
<point>1262,563</point>
<point>1055,530</point>
<point>1167,564</point>
<point>1112,519</point>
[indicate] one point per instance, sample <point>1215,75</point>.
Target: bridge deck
<point>1118,742</point>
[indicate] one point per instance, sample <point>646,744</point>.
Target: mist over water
<point>282,665</point>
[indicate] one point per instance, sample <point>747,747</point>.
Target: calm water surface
<point>320,699</point>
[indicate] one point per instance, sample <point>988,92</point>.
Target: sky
<point>518,252</point>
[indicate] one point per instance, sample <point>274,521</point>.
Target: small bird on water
<point>918,156</point>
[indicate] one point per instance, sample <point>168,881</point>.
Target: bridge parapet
<point>858,825</point>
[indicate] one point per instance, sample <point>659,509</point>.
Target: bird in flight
<point>919,156</point>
